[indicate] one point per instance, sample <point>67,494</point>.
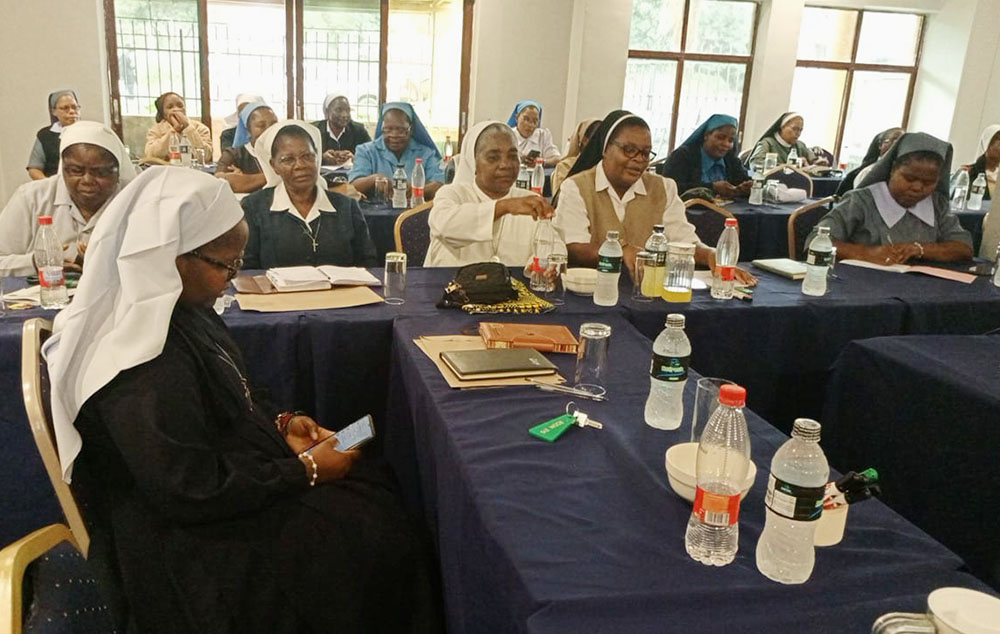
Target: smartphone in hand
<point>353,436</point>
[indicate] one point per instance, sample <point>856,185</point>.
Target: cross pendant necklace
<point>246,387</point>
<point>313,236</point>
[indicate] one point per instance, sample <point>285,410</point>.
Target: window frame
<point>682,55</point>
<point>294,60</point>
<point>853,65</point>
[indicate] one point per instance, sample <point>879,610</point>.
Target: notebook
<point>782,266</point>
<point>291,279</point>
<point>544,337</point>
<point>945,274</point>
<point>493,364</point>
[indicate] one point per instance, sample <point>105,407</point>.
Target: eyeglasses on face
<point>97,171</point>
<point>308,158</point>
<point>232,269</point>
<point>631,151</point>
<point>395,129</point>
<point>69,108</point>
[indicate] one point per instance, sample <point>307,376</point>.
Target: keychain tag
<point>551,430</point>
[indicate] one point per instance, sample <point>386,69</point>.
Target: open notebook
<point>291,279</point>
<point>945,274</point>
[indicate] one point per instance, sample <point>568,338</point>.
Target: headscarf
<point>54,98</point>
<point>100,135</point>
<point>159,104</point>
<point>907,144</point>
<point>775,127</point>
<point>333,96</point>
<point>233,118</point>
<point>121,312</point>
<point>716,121</point>
<point>465,168</point>
<point>985,138</point>
<point>521,105</point>
<point>873,148</point>
<point>264,143</point>
<point>418,134</point>
<point>576,141</point>
<point>594,152</point>
<point>242,136</point>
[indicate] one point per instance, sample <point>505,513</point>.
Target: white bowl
<point>681,460</point>
<point>581,281</point>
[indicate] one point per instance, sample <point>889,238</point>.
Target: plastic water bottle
<point>819,256</point>
<point>757,190</point>
<point>727,254</point>
<point>609,269</point>
<point>449,149</point>
<point>185,148</point>
<point>960,190</point>
<point>399,182</point>
<point>996,267</point>
<point>793,157</point>
<point>652,281</point>
<point>794,501</point>
<point>417,183</point>
<point>542,244</point>
<point>668,374</point>
<point>174,149</point>
<point>977,193</point>
<point>523,178</point>
<point>538,177</point>
<point>49,259</point>
<point>713,531</point>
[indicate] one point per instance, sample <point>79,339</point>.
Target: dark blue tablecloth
<point>763,228</point>
<point>824,186</point>
<point>924,411</point>
<point>585,535</point>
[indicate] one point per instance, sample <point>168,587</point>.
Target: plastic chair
<point>744,155</point>
<point>792,177</point>
<point>801,223</point>
<point>412,233</point>
<point>708,219</point>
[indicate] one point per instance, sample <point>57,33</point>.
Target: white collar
<point>336,137</point>
<point>282,202</point>
<point>892,212</point>
<point>601,182</point>
<point>56,127</point>
<point>784,143</point>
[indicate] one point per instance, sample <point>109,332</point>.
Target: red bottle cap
<point>538,161</point>
<point>733,395</point>
<point>45,220</point>
<point>730,222</point>
<point>419,160</point>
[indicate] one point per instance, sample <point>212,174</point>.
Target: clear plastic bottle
<point>757,189</point>
<point>819,256</point>
<point>727,254</point>
<point>49,260</point>
<point>542,242</point>
<point>399,183</point>
<point>417,181</point>
<point>960,190</point>
<point>679,273</point>
<point>538,177</point>
<point>449,149</point>
<point>185,148</point>
<point>174,149</point>
<point>713,531</point>
<point>793,157</point>
<point>977,193</point>
<point>794,501</point>
<point>668,373</point>
<point>609,269</point>
<point>652,281</point>
<point>523,178</point>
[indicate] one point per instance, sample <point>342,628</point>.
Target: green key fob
<point>551,430</point>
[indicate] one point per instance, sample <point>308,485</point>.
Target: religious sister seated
<point>707,160</point>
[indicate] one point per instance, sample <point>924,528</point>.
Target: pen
<point>548,387</point>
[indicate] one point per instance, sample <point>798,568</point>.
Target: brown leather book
<point>541,337</point>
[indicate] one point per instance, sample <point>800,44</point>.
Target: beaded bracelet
<point>921,247</point>
<point>315,468</point>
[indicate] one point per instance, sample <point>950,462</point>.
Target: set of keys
<point>551,430</point>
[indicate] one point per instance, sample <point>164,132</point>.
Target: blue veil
<point>697,138</point>
<point>521,105</point>
<point>242,136</point>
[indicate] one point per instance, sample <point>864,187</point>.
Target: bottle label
<point>661,258</point>
<point>803,504</point>
<point>50,276</point>
<point>671,369</point>
<point>716,509</point>
<point>399,183</point>
<point>726,273</point>
<point>819,258</point>
<point>537,190</point>
<point>418,192</point>
<point>609,264</point>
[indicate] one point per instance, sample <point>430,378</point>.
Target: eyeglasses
<point>290,161</point>
<point>70,108</point>
<point>79,171</point>
<point>630,151</point>
<point>395,129</point>
<point>232,269</point>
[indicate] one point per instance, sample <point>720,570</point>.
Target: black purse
<point>480,283</point>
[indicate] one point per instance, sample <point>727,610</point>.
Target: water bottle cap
<point>45,220</point>
<point>538,161</point>
<point>822,230</point>
<point>419,160</point>
<point>612,235</point>
<point>657,228</point>
<point>730,222</point>
<point>733,395</point>
<point>806,429</point>
<point>675,320</point>
<point>399,165</point>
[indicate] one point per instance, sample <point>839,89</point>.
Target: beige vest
<point>641,213</point>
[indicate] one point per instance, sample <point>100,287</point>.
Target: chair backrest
<point>35,390</point>
<point>708,219</point>
<point>792,177</point>
<point>744,155</point>
<point>413,233</point>
<point>801,223</point>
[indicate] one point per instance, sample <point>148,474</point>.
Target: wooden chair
<point>801,223</point>
<point>792,177</point>
<point>412,233</point>
<point>708,219</point>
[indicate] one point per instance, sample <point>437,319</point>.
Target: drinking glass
<point>643,282</point>
<point>3,301</point>
<point>770,160</point>
<point>198,158</point>
<point>557,269</point>
<point>706,401</point>
<point>394,283</point>
<point>378,194</point>
<point>592,358</point>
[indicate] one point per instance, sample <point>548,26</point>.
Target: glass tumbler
<point>592,358</point>
<point>394,282</point>
<point>680,272</point>
<point>644,281</point>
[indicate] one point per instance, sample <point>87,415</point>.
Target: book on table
<point>944,274</point>
<point>497,363</point>
<point>543,337</point>
<point>291,279</point>
<point>784,267</point>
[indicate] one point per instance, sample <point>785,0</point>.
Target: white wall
<point>45,45</point>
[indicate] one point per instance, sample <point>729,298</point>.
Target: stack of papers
<point>292,279</point>
<point>29,295</point>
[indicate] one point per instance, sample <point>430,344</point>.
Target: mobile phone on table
<point>353,436</point>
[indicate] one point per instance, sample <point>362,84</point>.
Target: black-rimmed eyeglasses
<point>232,269</point>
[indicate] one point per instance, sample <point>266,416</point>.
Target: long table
<point>585,534</point>
<point>924,412</point>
